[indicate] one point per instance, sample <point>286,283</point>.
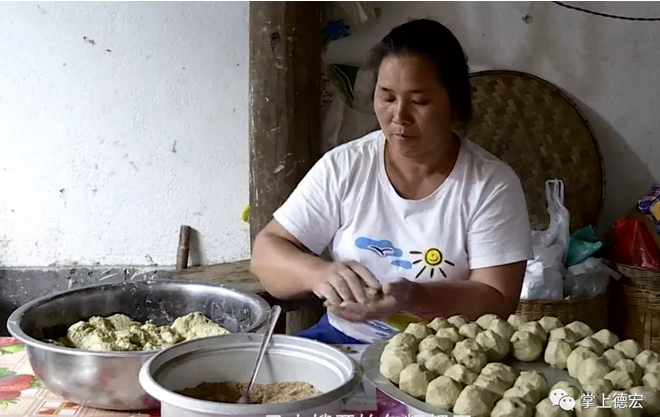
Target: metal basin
<point>109,380</point>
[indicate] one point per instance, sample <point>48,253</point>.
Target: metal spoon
<point>272,321</point>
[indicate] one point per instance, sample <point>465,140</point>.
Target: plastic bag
<point>588,278</point>
<point>544,274</point>
<point>342,18</point>
<point>634,245</point>
<point>581,245</point>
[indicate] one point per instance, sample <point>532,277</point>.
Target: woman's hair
<point>434,41</point>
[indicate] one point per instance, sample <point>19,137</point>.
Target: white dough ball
<point>620,379</point>
<point>425,355</point>
<point>592,344</point>
<point>580,329</point>
<point>435,342</point>
<point>536,329</point>
<point>556,354</point>
<point>419,330</point>
<point>576,357</point>
<point>635,371</point>
<point>590,410</point>
<point>439,363</point>
<point>470,330</point>
<point>460,373</point>
<point>536,379</point>
<point>500,370</point>
<point>458,320</point>
<point>572,391</point>
<point>439,323</point>
<point>512,407</point>
<point>564,334</point>
<point>525,392</point>
<point>392,364</point>
<point>493,384</point>
<point>618,410</point>
<point>651,381</point>
<point>402,339</point>
<point>592,369</point>
<point>546,409</point>
<point>550,323</point>
<point>414,380</point>
<point>613,356</point>
<point>526,347</point>
<point>646,358</point>
<point>485,320</point>
<point>650,399</point>
<point>467,344</point>
<point>443,392</point>
<point>516,320</point>
<point>502,328</point>
<point>474,401</point>
<point>450,333</point>
<point>629,347</point>
<point>598,387</point>
<point>495,347</point>
<point>606,338</point>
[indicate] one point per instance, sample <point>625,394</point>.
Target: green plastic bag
<point>581,245</point>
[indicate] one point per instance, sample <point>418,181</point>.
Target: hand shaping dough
<point>501,371</point>
<point>546,409</point>
<point>525,392</point>
<point>651,381</point>
<point>534,378</point>
<point>576,357</point>
<point>534,328</point>
<point>493,384</point>
<point>613,356</point>
<point>646,358</point>
<point>629,347</point>
<point>592,369</point>
<point>439,363</point>
<point>502,328</point>
<point>403,339</point>
<point>419,330</point>
<point>450,333</point>
<point>442,392</point>
<point>425,355</point>
<point>580,329</point>
<point>434,342</point>
<point>620,379</point>
<point>526,347</point>
<point>636,372</point>
<point>395,361</point>
<point>651,399</point>
<point>606,338</point>
<point>598,388</point>
<point>592,344</point>
<point>474,401</point>
<point>414,380</point>
<point>572,391</point>
<point>485,320</point>
<point>470,330</point>
<point>556,354</point>
<point>460,373</point>
<point>511,407</point>
<point>458,320</point>
<point>515,320</point>
<point>495,347</point>
<point>564,334</point>
<point>550,323</point>
<point>439,323</point>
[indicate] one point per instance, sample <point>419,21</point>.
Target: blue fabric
<point>325,333</point>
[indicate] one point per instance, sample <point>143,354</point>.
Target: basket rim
<point>638,268</point>
<point>564,302</point>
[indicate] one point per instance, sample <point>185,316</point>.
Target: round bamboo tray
<point>592,311</point>
<point>635,305</point>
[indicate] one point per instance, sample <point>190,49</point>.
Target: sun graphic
<point>432,258</point>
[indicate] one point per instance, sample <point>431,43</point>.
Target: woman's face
<point>412,105</point>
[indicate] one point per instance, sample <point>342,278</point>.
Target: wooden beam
<point>285,96</point>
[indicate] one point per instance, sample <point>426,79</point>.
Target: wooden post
<point>285,96</point>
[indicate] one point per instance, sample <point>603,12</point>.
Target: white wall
<point>108,145</point>
<point>609,66</point>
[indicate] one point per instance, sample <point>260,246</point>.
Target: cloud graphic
<point>402,264</point>
<point>382,248</point>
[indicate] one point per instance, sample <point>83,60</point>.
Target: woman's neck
<point>438,161</point>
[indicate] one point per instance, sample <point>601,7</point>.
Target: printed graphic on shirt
<point>431,259</point>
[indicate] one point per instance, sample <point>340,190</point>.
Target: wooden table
<point>296,315</point>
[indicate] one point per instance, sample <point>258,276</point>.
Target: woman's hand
<point>397,296</point>
<point>340,282</point>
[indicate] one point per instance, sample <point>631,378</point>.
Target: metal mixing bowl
<point>109,380</point>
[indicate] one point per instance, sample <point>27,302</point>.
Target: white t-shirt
<point>477,218</point>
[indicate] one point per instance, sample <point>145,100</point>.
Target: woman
<point>433,220</point>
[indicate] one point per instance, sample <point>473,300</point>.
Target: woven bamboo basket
<point>635,305</point>
<point>541,133</point>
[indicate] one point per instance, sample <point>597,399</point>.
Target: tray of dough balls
<point>495,367</point>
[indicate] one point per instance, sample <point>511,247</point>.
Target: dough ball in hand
<point>439,323</point>
<point>472,359</point>
<point>599,388</point>
<point>502,328</point>
<point>414,380</point>
<point>512,407</point>
<point>501,371</point>
<point>516,320</point>
<point>546,409</point>
<point>651,381</point>
<point>439,363</point>
<point>485,320</point>
<point>442,392</point>
<point>526,347</point>
<point>534,328</point>
<point>402,340</point>
<point>525,392</point>
<point>534,378</point>
<point>474,401</point>
<point>470,330</point>
<point>493,384</point>
<point>393,363</point>
<point>649,399</point>
<point>495,347</point>
<point>435,342</point>
<point>419,330</point>
<point>612,356</point>
<point>450,333</point>
<point>592,344</point>
<point>576,357</point>
<point>629,347</point>
<point>556,353</point>
<point>460,373</point>
<point>646,358</point>
<point>606,338</point>
<point>550,323</point>
<point>592,369</point>
<point>620,379</point>
<point>458,321</point>
<point>564,334</point>
<point>635,371</point>
<point>580,329</point>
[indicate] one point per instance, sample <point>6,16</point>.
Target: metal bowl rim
<point>14,327</point>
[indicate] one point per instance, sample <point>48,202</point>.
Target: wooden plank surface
<point>235,274</point>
